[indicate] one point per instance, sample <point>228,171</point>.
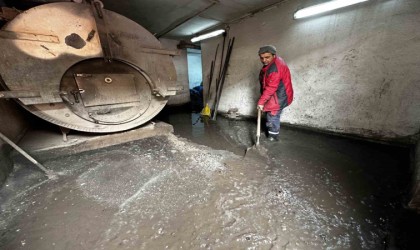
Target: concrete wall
<point>181,67</point>
<point>354,71</point>
<point>12,125</point>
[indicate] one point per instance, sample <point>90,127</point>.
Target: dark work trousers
<point>273,123</point>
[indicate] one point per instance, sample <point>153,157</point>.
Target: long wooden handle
<point>258,127</point>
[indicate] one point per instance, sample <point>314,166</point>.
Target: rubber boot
<point>272,137</point>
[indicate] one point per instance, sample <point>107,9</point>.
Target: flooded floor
<point>194,189</point>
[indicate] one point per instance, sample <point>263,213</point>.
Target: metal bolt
<point>108,79</point>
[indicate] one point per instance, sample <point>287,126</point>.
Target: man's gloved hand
<point>260,107</point>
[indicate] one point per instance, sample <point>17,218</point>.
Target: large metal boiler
<point>85,68</point>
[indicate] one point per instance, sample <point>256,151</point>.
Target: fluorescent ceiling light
<point>208,35</point>
<point>324,7</point>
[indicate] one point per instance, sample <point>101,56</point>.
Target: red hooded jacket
<point>276,86</point>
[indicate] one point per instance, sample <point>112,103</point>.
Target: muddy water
<point>351,194</point>
<point>167,192</point>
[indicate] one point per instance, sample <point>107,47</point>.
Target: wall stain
<point>386,83</point>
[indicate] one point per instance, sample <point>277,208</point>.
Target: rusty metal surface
<point>19,94</point>
<point>28,36</point>
<point>106,89</point>
<point>146,78</point>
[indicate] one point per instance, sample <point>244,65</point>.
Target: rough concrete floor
<point>311,192</point>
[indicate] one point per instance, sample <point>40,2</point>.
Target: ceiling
<point>177,19</point>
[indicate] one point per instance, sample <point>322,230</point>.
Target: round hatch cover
<point>105,92</point>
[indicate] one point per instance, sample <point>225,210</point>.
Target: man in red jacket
<point>276,88</point>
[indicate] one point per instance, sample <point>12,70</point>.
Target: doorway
<point>195,79</point>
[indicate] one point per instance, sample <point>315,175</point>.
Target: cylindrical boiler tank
<point>85,68</point>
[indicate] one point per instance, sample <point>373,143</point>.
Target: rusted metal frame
<point>16,94</point>
<point>184,20</point>
<point>155,89</point>
<point>160,51</point>
<point>28,36</point>
<point>102,29</point>
<point>19,94</point>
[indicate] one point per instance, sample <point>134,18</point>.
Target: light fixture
<point>324,7</point>
<point>208,35</point>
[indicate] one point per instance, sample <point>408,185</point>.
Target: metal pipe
<point>247,15</point>
<point>252,13</point>
<point>220,71</point>
<point>49,173</point>
<point>222,80</point>
<point>183,20</point>
<point>47,1</point>
<point>212,72</point>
